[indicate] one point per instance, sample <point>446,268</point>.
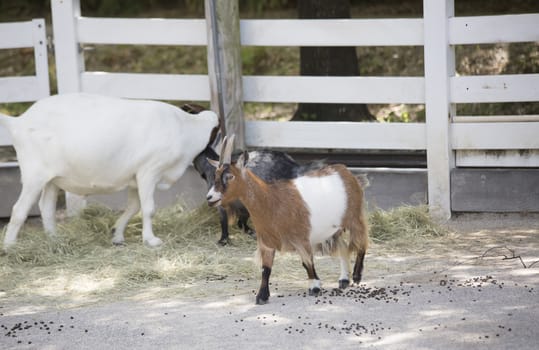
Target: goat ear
<point>213,163</point>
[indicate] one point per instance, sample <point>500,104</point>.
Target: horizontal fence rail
<point>153,86</point>
<point>142,31</point>
<point>495,88</point>
<point>334,89</point>
<point>522,158</point>
<point>495,118</point>
<point>340,135</point>
<point>332,32</point>
<point>495,136</point>
<point>493,29</point>
<point>16,35</point>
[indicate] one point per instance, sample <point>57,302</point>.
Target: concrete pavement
<point>449,311</point>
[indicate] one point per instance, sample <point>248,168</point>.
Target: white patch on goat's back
<point>326,200</point>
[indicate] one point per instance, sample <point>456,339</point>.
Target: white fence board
<point>20,89</point>
<point>334,89</point>
<point>335,135</point>
<point>498,159</point>
<point>495,88</point>
<point>5,137</point>
<point>493,29</point>
<point>471,136</point>
<point>67,52</point>
<point>148,86</point>
<point>332,32</point>
<point>142,31</point>
<point>439,66</point>
<point>495,118</point>
<point>15,35</point>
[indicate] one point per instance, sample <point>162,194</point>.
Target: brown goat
<point>311,212</point>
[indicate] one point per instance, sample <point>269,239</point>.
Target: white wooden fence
<point>443,136</point>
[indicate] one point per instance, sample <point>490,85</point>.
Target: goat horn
<point>229,147</point>
<point>222,146</point>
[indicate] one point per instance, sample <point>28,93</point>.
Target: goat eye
<point>229,177</point>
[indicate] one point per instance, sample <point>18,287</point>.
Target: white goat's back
<point>326,199</point>
<point>92,144</point>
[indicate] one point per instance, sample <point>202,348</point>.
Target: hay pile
<point>405,223</point>
<point>81,265</point>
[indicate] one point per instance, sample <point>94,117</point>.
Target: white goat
<point>88,144</point>
<point>309,212</point>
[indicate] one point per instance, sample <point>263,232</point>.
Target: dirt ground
<point>475,239</point>
<point>476,288</point>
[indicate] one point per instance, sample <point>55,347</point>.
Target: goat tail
<point>363,180</point>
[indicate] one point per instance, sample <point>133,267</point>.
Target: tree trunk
<point>329,61</point>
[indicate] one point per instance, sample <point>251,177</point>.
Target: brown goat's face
<point>224,179</point>
<point>225,189</point>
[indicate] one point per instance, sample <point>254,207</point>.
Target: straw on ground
<point>80,265</point>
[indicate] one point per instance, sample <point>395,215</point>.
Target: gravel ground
<point>477,289</point>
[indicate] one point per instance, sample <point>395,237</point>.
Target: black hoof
<point>357,278</point>
<point>343,284</point>
<point>251,233</point>
<point>118,244</point>
<point>261,301</point>
<point>223,241</point>
<point>314,291</point>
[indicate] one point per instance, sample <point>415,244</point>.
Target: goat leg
<point>133,206</point>
<point>29,194</point>
<point>242,224</point>
<point>267,263</point>
<point>358,266</point>
<point>223,220</point>
<point>47,206</point>
<point>314,288</point>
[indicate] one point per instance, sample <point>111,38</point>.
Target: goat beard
<point>214,203</point>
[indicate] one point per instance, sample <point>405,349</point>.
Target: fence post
<point>439,67</point>
<point>40,57</point>
<point>69,65</point>
<point>68,54</point>
<point>224,64</point>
